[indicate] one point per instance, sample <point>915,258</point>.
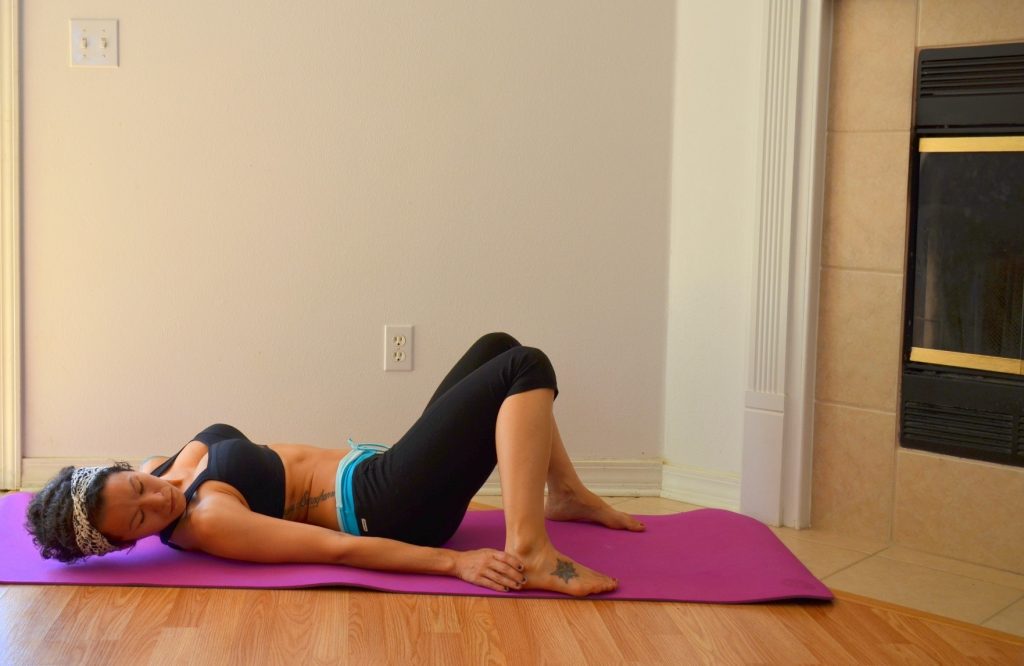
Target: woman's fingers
<point>507,573</point>
<point>491,580</point>
<point>487,581</point>
<point>494,569</point>
<point>501,582</point>
<point>509,559</point>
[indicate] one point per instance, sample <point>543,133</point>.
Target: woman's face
<point>137,505</point>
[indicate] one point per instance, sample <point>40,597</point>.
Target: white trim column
<point>778,413</point>
<point>10,250</point>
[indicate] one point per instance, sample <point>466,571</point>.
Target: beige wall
<point>864,483</point>
<point>219,228</point>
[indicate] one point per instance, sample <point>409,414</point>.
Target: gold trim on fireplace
<point>972,144</point>
<point>1013,366</point>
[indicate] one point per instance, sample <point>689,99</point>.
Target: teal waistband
<point>344,499</point>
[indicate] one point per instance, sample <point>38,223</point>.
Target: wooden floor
<point>132,625</point>
<point>123,625</point>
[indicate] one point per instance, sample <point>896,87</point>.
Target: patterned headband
<point>89,539</point>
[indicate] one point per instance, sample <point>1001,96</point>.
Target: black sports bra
<point>254,470</point>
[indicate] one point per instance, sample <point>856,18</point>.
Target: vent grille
<point>954,426</point>
<point>1019,439</point>
<point>994,75</point>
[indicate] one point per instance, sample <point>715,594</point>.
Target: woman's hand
<point>491,568</point>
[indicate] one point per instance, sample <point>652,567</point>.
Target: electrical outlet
<point>397,348</point>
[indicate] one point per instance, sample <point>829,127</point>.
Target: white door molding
<point>10,249</point>
<point>778,415</point>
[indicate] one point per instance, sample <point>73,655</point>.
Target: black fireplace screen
<point>969,273</point>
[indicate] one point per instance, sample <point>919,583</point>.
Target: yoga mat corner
<point>705,555</point>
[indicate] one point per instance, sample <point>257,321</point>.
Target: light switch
<point>94,42</point>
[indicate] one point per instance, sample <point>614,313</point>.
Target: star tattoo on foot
<point>565,570</point>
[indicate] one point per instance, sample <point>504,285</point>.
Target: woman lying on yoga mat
<point>368,507</point>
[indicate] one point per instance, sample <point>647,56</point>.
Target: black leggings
<point>419,490</point>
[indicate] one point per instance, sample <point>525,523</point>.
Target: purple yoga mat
<point>707,555</point>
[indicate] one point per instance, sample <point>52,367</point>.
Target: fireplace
<point>963,362</point>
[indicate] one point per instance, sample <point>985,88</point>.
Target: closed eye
<point>142,516</point>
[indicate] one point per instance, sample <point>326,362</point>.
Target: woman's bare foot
<point>548,569</point>
<point>585,505</point>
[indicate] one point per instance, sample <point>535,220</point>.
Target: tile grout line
<point>869,553</point>
<point>850,405</point>
<point>894,486</point>
<point>881,553</point>
<point>980,623</point>
<point>871,131</point>
<point>872,271</point>
<point>952,573</point>
<point>991,617</point>
<point>851,564</point>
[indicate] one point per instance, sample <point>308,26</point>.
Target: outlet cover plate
<point>397,348</point>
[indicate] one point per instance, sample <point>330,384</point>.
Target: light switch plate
<point>94,43</point>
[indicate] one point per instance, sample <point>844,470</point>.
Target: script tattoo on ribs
<point>565,570</point>
<point>307,501</point>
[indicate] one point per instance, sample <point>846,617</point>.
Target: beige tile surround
<point>867,200</point>
<point>959,22</point>
<point>864,485</point>
<point>872,91</point>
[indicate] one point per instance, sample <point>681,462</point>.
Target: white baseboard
<point>604,477</point>
<point>610,478</point>
<point>703,487</point>
<point>35,472</point>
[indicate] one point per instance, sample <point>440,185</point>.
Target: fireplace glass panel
<point>969,273</point>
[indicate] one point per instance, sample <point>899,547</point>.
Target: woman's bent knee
<point>533,370</point>
<point>499,342</point>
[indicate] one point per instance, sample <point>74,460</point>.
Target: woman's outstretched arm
<point>222,526</point>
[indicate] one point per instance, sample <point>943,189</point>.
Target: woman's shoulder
<point>218,432</point>
<point>152,462</point>
<point>187,458</point>
<point>194,450</point>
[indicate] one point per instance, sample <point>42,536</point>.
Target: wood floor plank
<point>853,628</point>
<point>289,632</point>
<point>190,607</point>
<point>479,636</point>
<point>590,631</point>
<point>798,618</point>
<point>388,629</point>
<point>174,645</point>
<point>533,631</point>
<point>514,631</point>
<point>26,614</point>
<point>778,643</point>
<point>628,624</point>
<point>329,632</point>
<point>93,625</point>
<point>92,628</point>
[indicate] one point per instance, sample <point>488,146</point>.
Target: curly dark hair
<point>51,514</point>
